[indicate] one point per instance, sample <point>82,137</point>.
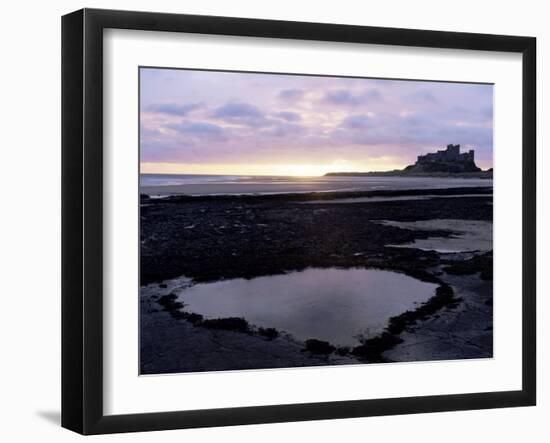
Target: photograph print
<point>305,220</point>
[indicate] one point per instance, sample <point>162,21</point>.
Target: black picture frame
<point>82,218</point>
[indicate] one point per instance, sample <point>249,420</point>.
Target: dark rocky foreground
<point>212,238</point>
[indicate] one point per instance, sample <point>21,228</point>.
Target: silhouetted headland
<point>443,163</point>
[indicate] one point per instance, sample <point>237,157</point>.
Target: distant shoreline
<point>481,174</point>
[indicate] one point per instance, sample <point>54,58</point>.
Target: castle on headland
<point>447,160</point>
<point>435,164</point>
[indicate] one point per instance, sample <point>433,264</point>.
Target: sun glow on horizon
<point>294,170</point>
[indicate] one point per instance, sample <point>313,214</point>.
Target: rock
<point>318,346</point>
<point>269,333</point>
<point>373,348</point>
<point>229,324</point>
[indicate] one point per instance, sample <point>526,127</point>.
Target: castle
<point>451,154</point>
<point>442,162</point>
<point>448,160</point>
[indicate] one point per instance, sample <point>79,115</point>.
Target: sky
<point>214,122</point>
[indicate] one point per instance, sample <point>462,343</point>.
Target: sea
<point>201,184</point>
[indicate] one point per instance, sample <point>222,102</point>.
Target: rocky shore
<point>212,238</point>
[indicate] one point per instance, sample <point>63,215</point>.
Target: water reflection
<point>328,304</point>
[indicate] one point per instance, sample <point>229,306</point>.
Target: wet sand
<point>255,186</point>
<point>395,198</point>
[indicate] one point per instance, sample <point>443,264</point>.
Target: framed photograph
<point>268,221</point>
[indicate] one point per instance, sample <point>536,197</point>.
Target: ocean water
<point>173,184</point>
<point>183,179</point>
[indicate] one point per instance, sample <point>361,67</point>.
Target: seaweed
<point>319,346</point>
<point>236,324</point>
<point>444,297</point>
<point>480,263</point>
<point>373,348</point>
<point>269,333</point>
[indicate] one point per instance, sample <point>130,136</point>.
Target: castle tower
<point>453,151</point>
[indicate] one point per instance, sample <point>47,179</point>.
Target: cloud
<point>149,132</point>
<point>172,108</point>
<point>283,130</point>
<point>201,130</point>
<point>291,94</point>
<point>242,114</point>
<point>347,97</point>
<point>288,116</point>
<point>341,97</point>
<point>486,112</point>
<point>237,110</point>
<point>358,122</point>
<point>423,96</point>
<point>373,94</point>
<point>481,113</point>
<point>402,134</point>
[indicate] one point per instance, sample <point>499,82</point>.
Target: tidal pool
<point>391,198</point>
<point>335,305</point>
<point>470,235</point>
